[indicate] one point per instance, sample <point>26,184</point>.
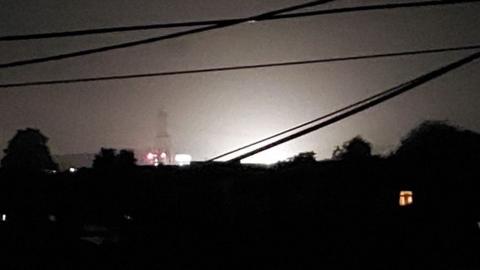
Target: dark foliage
<point>304,157</point>
<point>356,148</point>
<point>437,142</point>
<point>108,159</point>
<point>334,214</point>
<point>27,151</point>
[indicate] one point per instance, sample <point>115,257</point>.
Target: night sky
<point>215,112</point>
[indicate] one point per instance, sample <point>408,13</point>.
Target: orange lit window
<point>406,198</point>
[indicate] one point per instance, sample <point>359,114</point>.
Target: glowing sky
<point>212,113</point>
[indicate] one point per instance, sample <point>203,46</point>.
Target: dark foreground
<point>330,215</point>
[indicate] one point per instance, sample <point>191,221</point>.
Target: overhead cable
<point>242,67</point>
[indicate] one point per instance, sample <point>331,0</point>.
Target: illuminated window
<point>406,197</point>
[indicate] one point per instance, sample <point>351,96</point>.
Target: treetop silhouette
<point>28,151</point>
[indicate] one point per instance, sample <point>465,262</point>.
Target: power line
<point>207,28</point>
<point>233,68</point>
<point>316,119</point>
<point>386,95</point>
<point>105,30</point>
<point>373,8</point>
<point>305,124</point>
<point>159,38</point>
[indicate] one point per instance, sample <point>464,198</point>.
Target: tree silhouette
<point>356,148</point>
<point>28,151</point>
<point>304,157</point>
<point>125,159</point>
<point>437,141</point>
<point>108,159</point>
<point>105,159</point>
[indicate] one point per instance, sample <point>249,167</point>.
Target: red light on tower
<point>152,158</point>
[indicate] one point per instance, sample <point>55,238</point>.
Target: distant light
<point>153,159</point>
<point>52,218</point>
<point>269,157</point>
<point>4,217</point>
<point>163,155</point>
<point>72,170</point>
<point>406,197</point>
<point>183,159</point>
<point>127,217</point>
<point>151,156</point>
<point>97,240</point>
<point>252,21</point>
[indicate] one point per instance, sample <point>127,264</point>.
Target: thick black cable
<point>119,29</point>
<point>233,68</point>
<point>374,8</point>
<point>305,124</point>
<point>402,89</point>
<point>156,39</point>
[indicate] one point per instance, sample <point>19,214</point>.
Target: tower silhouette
<point>162,144</point>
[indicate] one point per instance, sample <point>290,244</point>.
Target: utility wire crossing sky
<point>227,21</point>
<point>360,106</point>
<point>232,68</point>
<point>210,110</point>
<point>223,24</point>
